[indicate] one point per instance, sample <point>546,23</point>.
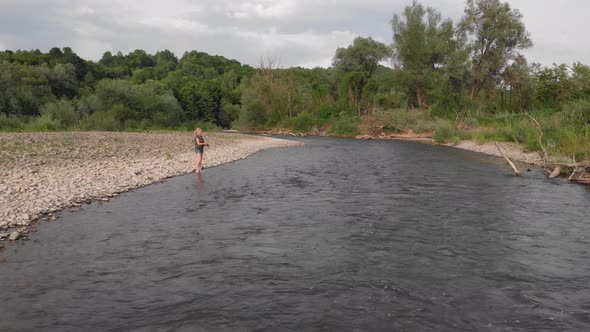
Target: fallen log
<point>516,171</point>
<point>556,172</point>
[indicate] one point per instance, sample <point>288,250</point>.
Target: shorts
<point>199,149</point>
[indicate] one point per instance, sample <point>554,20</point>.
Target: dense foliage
<point>452,77</point>
<point>59,91</point>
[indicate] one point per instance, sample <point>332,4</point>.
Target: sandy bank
<point>41,173</point>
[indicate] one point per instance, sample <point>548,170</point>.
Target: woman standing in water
<point>199,148</point>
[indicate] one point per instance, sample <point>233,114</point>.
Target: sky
<point>292,32</point>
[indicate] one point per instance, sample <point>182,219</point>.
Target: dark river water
<point>338,235</point>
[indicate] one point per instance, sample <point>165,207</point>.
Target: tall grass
<point>565,132</point>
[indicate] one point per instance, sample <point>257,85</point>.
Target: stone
<point>14,236</point>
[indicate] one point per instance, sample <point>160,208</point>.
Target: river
<point>337,235</point>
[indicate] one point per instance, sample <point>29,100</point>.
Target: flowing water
<point>338,235</point>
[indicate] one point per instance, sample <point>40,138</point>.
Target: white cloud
<point>299,32</point>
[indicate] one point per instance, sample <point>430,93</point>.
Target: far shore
<point>512,150</point>
<point>43,173</point>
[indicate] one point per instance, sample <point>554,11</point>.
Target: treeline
<point>450,77</point>
<point>441,67</point>
<point>58,90</point>
<point>447,76</point>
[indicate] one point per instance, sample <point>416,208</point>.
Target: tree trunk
<point>420,98</point>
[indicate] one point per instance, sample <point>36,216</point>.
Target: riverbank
<point>512,150</point>
<point>41,173</point>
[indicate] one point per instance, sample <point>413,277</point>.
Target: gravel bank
<point>511,150</point>
<point>41,173</point>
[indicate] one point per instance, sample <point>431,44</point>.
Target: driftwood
<point>556,172</point>
<point>516,171</point>
<point>575,168</point>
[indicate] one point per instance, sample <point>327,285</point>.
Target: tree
<point>518,78</point>
<point>357,63</point>
<point>421,41</point>
<point>553,85</point>
<point>580,81</point>
<point>495,33</point>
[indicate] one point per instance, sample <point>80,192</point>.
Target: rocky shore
<point>42,173</point>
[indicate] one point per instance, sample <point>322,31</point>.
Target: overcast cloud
<point>298,33</point>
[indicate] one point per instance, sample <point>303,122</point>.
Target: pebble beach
<point>42,173</point>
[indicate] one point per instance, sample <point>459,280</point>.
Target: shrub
<point>344,126</point>
<point>302,122</point>
<point>403,120</point>
<point>62,113</point>
<point>444,131</point>
<point>471,123</point>
<point>206,126</point>
<point>10,122</point>
<point>328,110</point>
<point>577,113</point>
<point>43,123</point>
<point>478,136</point>
<point>102,121</point>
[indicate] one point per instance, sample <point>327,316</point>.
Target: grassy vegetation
<point>64,118</point>
<point>565,133</point>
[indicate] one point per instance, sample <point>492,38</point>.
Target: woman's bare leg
<point>199,162</point>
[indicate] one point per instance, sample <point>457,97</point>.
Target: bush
<point>206,126</point>
<point>252,115</point>
<point>328,110</point>
<point>471,123</point>
<point>62,113</point>
<point>402,120</point>
<point>345,126</point>
<point>302,122</point>
<point>101,121</point>
<point>43,123</point>
<point>444,131</point>
<point>10,122</point>
<point>424,126</point>
<point>478,136</point>
<point>577,114</point>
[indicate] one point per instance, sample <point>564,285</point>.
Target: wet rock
<point>14,236</point>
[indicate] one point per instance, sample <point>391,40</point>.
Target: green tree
<point>517,76</point>
<point>553,85</point>
<point>421,43</point>
<point>356,64</point>
<point>580,81</point>
<point>495,33</point>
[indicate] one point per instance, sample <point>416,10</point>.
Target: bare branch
<point>516,171</point>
